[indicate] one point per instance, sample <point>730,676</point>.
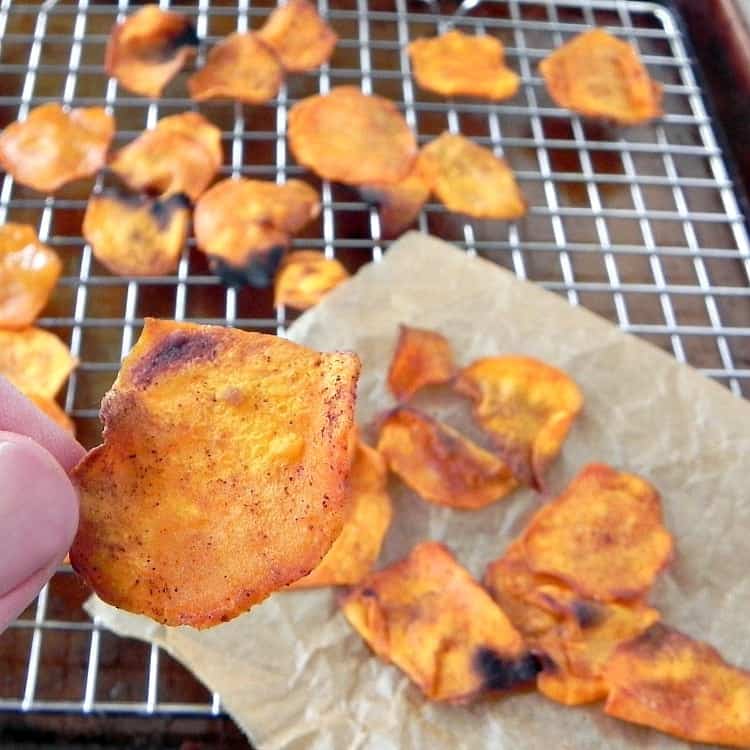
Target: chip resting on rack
<point>52,409</point>
<point>399,203</point>
<point>149,48</point>
<point>54,146</point>
<point>598,75</point>
<point>222,476</point>
<point>456,63</point>
<point>305,277</point>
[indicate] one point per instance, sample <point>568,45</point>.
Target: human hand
<point>38,505</point>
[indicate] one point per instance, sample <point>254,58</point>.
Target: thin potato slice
<point>429,617</point>
<point>301,39</point>
<point>52,146</point>
<point>222,473</point>
<point>52,409</point>
<point>399,203</point>
<point>29,271</point>
<point>239,67</point>
<point>470,179</point>
<point>526,406</point>
<point>305,277</point>
<point>457,63</point>
<point>147,50</point>
<point>666,680</point>
<point>352,138</point>
<point>598,75</point>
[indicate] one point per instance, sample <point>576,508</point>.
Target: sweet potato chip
<point>429,617</point>
<point>598,75</point>
<point>352,138</point>
<point>222,473</point>
<point>526,406</point>
<point>147,50</point>
<point>305,277</point>
<point>52,146</point>
<point>301,39</point>
<point>399,203</point>
<point>603,536</point>
<point>457,63</point>
<point>666,680</point>
<point>52,409</point>
<point>28,273</point>
<point>240,67</point>
<point>421,358</point>
<point>35,361</point>
<point>182,154</point>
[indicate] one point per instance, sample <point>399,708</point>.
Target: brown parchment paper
<point>294,675</point>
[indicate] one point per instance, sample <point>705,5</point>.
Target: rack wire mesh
<point>642,226</point>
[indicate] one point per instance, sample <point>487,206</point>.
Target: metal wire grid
<point>642,226</point>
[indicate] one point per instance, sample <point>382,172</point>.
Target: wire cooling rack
<point>641,225</point>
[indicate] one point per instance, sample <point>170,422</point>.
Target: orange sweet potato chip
<point>526,406</point>
<point>52,146</point>
<point>457,63</point>
<point>301,39</point>
<point>305,277</point>
<point>240,67</point>
<point>222,473</point>
<point>666,680</point>
<point>429,617</point>
<point>598,75</point>
<point>352,138</point>
<point>399,203</point>
<point>52,409</point>
<point>147,50</point>
<point>28,273</point>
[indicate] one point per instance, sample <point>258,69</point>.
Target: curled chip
<point>666,680</point>
<point>239,67</point>
<point>35,361</point>
<point>305,277</point>
<point>399,203</point>
<point>440,464</point>
<point>147,50</point>
<point>222,473</point>
<point>355,551</point>
<point>526,406</point>
<point>598,75</point>
<point>422,357</point>
<point>52,146</point>
<point>182,154</point>
<point>470,179</point>
<point>604,536</point>
<point>458,63</point>
<point>28,273</point>
<point>301,39</point>
<point>429,617</point>
<point>351,137</point>
<point>52,409</point>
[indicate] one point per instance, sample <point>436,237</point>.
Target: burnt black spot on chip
<point>172,352</point>
<point>187,37</point>
<point>258,272</point>
<point>162,210</point>
<point>587,614</point>
<point>498,673</point>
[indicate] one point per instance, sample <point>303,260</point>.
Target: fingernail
<point>38,510</point>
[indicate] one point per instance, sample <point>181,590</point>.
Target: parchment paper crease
<point>294,675</point>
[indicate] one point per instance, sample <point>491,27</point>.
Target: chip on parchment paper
<point>526,406</point>
<point>351,137</point>
<point>470,179</point>
<point>222,474</point>
<point>455,63</point>
<point>147,50</point>
<point>430,618</point>
<point>52,409</point>
<point>305,277</point>
<point>54,146</point>
<point>399,203</point>
<point>301,39</point>
<point>598,75</point>
<point>29,271</point>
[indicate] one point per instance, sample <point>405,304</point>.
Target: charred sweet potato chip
<point>526,406</point>
<point>603,536</point>
<point>28,273</point>
<point>399,203</point>
<point>301,39</point>
<point>222,473</point>
<point>457,63</point>
<point>52,409</point>
<point>240,67</point>
<point>352,138</point>
<point>52,146</point>
<point>147,50</point>
<point>439,463</point>
<point>666,680</point>
<point>305,277</point>
<point>429,617</point>
<point>470,179</point>
<point>598,75</point>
